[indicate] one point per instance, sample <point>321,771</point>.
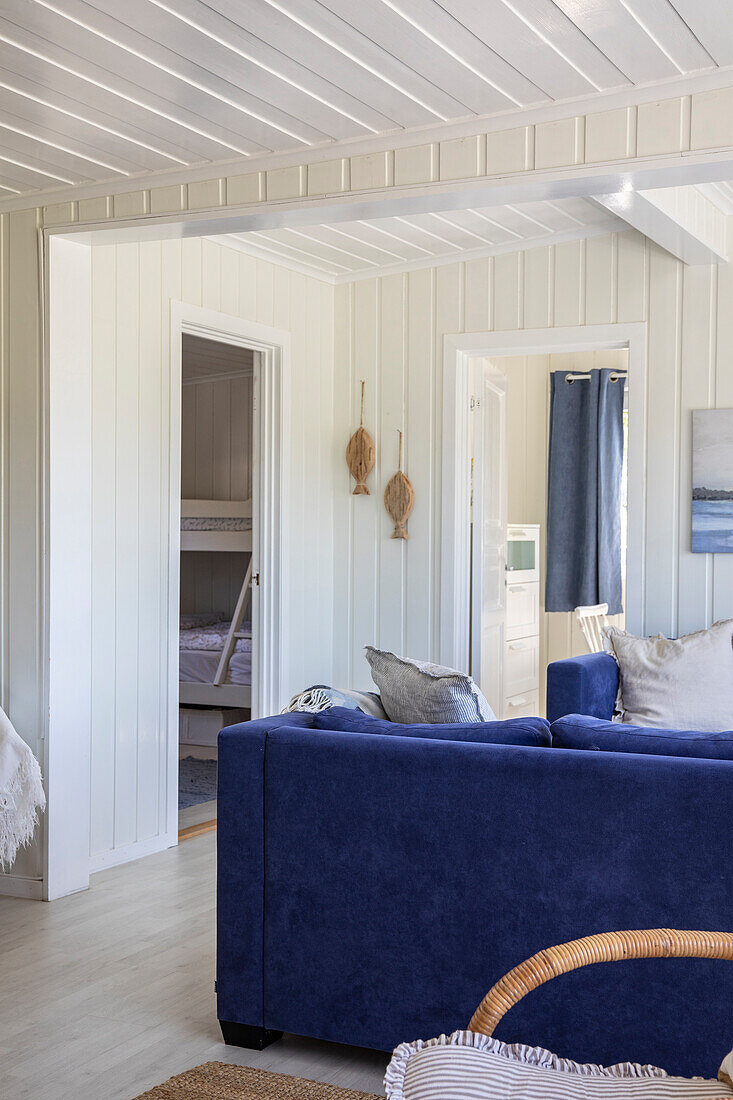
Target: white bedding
<point>198,666</point>
<point>216,523</point>
<point>201,643</point>
<point>211,636</point>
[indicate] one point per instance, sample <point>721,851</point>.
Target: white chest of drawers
<point>522,627</point>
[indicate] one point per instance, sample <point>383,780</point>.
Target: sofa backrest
<point>514,731</point>
<point>578,731</point>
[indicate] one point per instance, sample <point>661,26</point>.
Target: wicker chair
<point>650,943</point>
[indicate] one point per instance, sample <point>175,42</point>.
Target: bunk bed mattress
<point>216,523</point>
<point>198,666</point>
<point>213,636</point>
<point>201,641</point>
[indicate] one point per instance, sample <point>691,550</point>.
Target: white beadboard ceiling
<point>97,90</point>
<point>362,249</point>
<point>719,194</point>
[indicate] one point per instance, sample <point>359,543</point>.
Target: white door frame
<point>458,351</point>
<point>486,377</point>
<point>68,564</point>
<point>66,586</point>
<point>270,506</point>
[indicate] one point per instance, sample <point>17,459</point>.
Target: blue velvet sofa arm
<point>240,859</point>
<point>582,685</point>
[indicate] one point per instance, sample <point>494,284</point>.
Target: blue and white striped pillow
<point>468,1066</point>
<point>419,691</point>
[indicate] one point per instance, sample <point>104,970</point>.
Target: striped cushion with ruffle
<point>469,1066</point>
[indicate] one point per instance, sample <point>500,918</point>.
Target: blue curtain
<point>584,492</point>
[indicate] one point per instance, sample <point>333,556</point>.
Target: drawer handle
<point>519,703</point>
<point>517,645</point>
<point>512,588</point>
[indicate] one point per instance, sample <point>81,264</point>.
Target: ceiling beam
<point>681,220</point>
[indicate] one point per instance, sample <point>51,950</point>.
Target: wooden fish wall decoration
<point>360,454</point>
<point>399,497</point>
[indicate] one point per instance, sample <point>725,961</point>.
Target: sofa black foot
<point>241,1035</point>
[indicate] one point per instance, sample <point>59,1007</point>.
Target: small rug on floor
<point>221,1081</point>
<point>196,781</point>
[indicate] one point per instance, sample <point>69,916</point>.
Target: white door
<point>488,543</point>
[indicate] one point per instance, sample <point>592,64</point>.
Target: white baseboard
<point>125,854</point>
<point>17,886</point>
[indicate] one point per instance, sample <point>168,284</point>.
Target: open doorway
<point>218,531</point>
<point>513,634</point>
<point>496,396</point>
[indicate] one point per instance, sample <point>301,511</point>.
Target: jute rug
<point>221,1081</point>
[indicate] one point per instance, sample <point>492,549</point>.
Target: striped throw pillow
<point>420,691</point>
<point>467,1066</point>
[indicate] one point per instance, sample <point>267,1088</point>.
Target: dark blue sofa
<point>372,888</point>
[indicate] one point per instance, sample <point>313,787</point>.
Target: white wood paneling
<point>360,249</point>
<point>716,308</point>
<point>211,582</point>
<point>216,439</point>
<point>22,501</point>
<point>131,290</point>
<point>251,293</point>
<point>216,462</point>
<point>92,90</point>
<point>103,624</point>
<point>70,465</point>
<point>618,278</point>
<point>209,360</point>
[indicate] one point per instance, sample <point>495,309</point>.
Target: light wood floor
<point>107,993</point>
<point>194,815</point>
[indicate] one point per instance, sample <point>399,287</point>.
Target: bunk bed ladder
<point>231,639</point>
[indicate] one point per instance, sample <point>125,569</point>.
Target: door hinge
<point>255,580</point>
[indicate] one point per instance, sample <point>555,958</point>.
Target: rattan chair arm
<point>650,943</point>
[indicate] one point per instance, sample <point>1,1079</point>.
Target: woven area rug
<point>221,1081</point>
<point>196,781</point>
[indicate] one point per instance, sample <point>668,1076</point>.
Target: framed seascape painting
<point>712,481</point>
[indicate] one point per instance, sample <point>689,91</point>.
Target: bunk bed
<point>215,654</point>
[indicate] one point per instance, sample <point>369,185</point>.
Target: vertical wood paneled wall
<point>390,332</point>
<point>528,410</point>
<point>216,439</point>
<point>132,286</point>
<point>351,584</point>
<point>216,464</point>
<point>21,500</point>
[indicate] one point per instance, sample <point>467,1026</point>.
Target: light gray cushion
<point>468,1066</point>
<point>684,683</point>
<point>419,691</point>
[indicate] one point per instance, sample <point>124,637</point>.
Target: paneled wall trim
<point>630,135</point>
